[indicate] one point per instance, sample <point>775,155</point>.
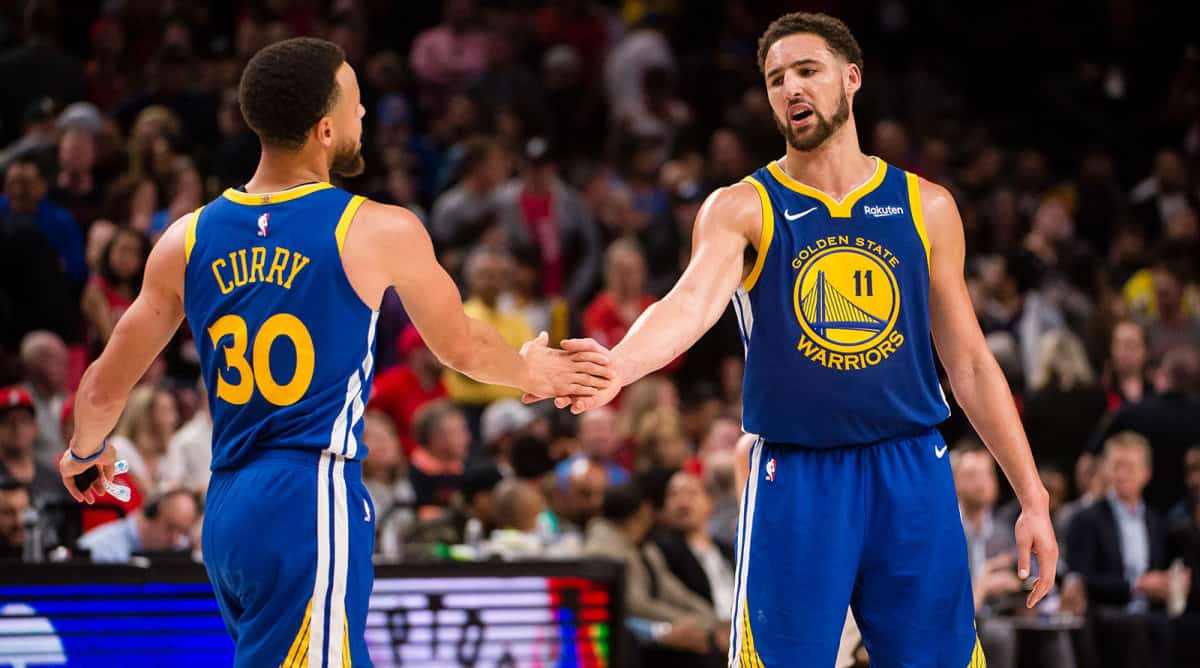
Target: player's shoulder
<point>384,230</point>
<point>179,235</point>
<point>936,200</point>
<point>738,205</point>
<point>374,218</point>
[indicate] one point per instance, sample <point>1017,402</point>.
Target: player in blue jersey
<point>856,263</point>
<point>281,281</point>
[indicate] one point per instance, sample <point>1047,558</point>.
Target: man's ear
<point>324,131</point>
<point>852,79</point>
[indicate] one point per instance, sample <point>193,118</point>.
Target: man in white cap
<point>503,422</point>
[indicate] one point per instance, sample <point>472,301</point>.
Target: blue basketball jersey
<point>835,314</point>
<point>286,345</point>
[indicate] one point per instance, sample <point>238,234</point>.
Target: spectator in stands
<point>1172,325</point>
<point>598,442</point>
<point>1167,419</point>
<point>666,446</point>
<point>528,298</point>
<point>437,464</point>
<point>652,593</point>
<point>647,405</point>
<point>702,564</point>
<point>1163,192</point>
<point>518,505</point>
<point>1125,374</point>
<point>611,313</point>
<point>582,495</point>
<point>446,56</point>
<point>39,66</point>
<point>143,433</point>
<point>14,504</point>
<point>1064,403</point>
<point>18,433</point>
<point>385,476</point>
<point>35,292</point>
<point>720,479</point>
<point>1169,272</point>
<point>989,544</point>
<point>189,451</point>
<point>649,219</point>
<point>504,422</point>
<point>403,390</point>
<point>44,358</point>
<point>1182,512</point>
<point>77,186</point>
<point>99,234</point>
<point>24,199</point>
<point>113,288</point>
<point>722,435</point>
<point>1119,547</point>
<point>1185,540</point>
<point>488,273</point>
<point>1091,481</point>
<point>163,526</point>
<point>531,460</point>
<point>465,212</point>
<point>539,210</point>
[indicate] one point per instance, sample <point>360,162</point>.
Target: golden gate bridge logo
<point>825,308</point>
<point>846,299</point>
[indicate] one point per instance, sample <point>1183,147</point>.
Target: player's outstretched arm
<point>730,218</point>
<point>979,385</point>
<point>388,246</point>
<point>138,337</point>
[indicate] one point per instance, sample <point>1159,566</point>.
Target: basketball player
<point>850,499</point>
<point>280,281</point>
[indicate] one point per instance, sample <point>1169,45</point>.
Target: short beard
<point>347,161</point>
<point>824,128</point>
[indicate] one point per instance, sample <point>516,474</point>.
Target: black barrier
<point>478,615</point>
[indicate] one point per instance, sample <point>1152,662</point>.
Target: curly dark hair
<point>287,87</point>
<point>832,30</point>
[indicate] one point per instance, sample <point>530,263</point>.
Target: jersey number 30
<point>280,324</point>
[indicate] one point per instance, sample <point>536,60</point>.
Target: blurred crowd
<point>558,151</point>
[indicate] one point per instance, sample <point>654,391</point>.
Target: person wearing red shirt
<point>612,312</point>
<point>401,391</point>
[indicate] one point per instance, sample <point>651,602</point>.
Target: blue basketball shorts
<point>287,542</point>
<point>874,528</point>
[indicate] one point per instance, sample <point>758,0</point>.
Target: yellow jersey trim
<point>189,237</point>
<point>837,208</point>
<point>747,655</point>
<point>259,199</point>
<point>298,653</point>
<point>918,214</point>
<point>343,225</point>
<point>978,660</point>
<point>768,233</point>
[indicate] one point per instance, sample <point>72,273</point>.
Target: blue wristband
<point>92,457</point>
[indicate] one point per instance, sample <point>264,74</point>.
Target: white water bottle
<point>1176,589</point>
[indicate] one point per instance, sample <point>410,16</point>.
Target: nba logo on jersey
<point>262,224</point>
<point>771,470</point>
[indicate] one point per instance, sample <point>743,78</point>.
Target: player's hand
<point>1035,536</point>
<point>68,467</point>
<point>561,373</point>
<point>582,403</point>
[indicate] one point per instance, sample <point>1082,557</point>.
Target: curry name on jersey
<point>286,345</point>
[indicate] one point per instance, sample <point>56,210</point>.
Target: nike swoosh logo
<point>940,451</point>
<point>789,216</point>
